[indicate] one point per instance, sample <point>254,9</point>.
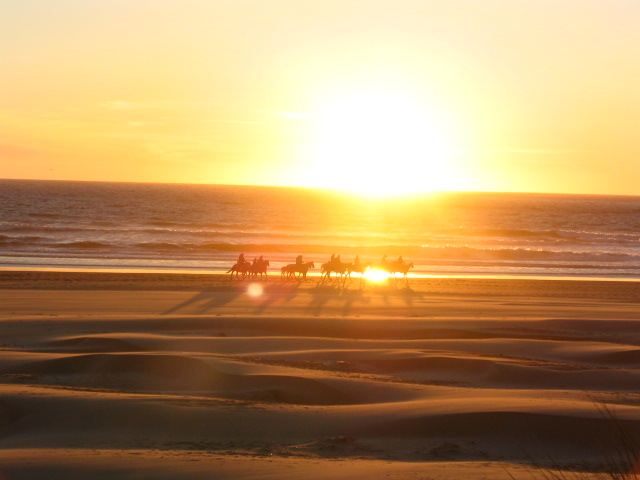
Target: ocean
<point>202,228</point>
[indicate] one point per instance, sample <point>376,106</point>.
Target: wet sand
<point>191,376</point>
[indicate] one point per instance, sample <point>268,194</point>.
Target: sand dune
<point>161,372</point>
<point>463,385</point>
<point>62,464</point>
<point>94,344</point>
<point>470,370</point>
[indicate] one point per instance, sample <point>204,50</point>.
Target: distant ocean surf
<point>197,227</point>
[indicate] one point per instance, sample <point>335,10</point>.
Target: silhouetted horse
<point>360,268</point>
<point>301,269</point>
<point>401,267</point>
<point>398,267</point>
<point>260,268</point>
<point>334,266</point>
<point>240,269</point>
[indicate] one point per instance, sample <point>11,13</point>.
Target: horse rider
<point>241,260</point>
<point>255,262</point>
<point>400,260</point>
<point>356,262</point>
<point>299,260</point>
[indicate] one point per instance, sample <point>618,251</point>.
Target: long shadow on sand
<point>347,300</point>
<point>278,293</point>
<point>322,295</point>
<point>338,298</point>
<point>206,300</point>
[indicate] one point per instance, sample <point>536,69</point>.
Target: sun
<point>380,143</point>
<point>376,275</point>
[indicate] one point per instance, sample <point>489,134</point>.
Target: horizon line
<point>330,190</point>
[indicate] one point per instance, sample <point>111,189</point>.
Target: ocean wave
<point>490,252</point>
<point>426,252</point>
<point>554,236</point>
<point>422,252</point>
<point>43,229</point>
<point>160,246</point>
<point>43,215</point>
<point>83,245</point>
<point>6,240</point>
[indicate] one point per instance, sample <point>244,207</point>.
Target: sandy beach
<point>321,239</point>
<point>191,376</point>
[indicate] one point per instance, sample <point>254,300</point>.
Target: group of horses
<point>298,271</point>
<point>343,270</point>
<point>255,269</point>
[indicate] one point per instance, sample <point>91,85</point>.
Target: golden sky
<point>494,95</point>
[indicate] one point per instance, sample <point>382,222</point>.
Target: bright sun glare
<point>376,275</point>
<point>380,143</point>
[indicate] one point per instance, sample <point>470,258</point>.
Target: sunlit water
<point>198,228</point>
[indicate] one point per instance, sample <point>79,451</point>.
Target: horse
<point>399,267</point>
<point>335,266</point>
<point>290,271</point>
<point>260,268</point>
<point>240,268</point>
<point>359,268</point>
<point>403,268</point>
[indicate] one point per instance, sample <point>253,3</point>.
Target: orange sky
<point>511,95</point>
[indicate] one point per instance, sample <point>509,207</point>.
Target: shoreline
<point>273,274</point>
<point>595,290</point>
